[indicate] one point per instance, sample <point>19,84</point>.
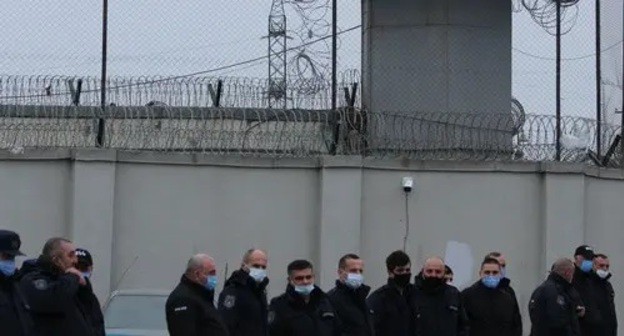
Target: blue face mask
<point>8,267</point>
<point>86,274</point>
<point>586,266</point>
<point>304,290</point>
<point>491,281</point>
<point>211,282</point>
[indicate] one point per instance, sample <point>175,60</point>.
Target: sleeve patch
<point>179,309</point>
<point>229,302</point>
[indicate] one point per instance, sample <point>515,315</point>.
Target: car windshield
<point>145,312</point>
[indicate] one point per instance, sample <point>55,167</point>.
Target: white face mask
<point>257,274</point>
<point>354,280</point>
<point>602,274</point>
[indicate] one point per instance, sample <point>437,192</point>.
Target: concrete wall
<point>143,215</point>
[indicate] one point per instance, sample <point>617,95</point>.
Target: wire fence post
<point>101,126</point>
<point>598,84</point>
<point>334,80</point>
<point>558,85</point>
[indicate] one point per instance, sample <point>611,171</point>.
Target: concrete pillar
<point>434,59</point>
<point>92,221</point>
<point>564,216</point>
<point>340,218</point>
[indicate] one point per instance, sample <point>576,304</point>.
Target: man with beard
<point>349,297</point>
<point>390,304</point>
<point>491,310</point>
<point>243,302</point>
<point>436,305</point>
<point>51,287</point>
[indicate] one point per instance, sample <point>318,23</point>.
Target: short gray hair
<point>53,245</point>
<point>562,265</point>
<point>196,262</point>
<point>249,252</point>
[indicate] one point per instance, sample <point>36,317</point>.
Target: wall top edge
<point>322,162</point>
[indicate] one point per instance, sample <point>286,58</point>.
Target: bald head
<point>564,267</point>
<point>255,258</point>
<point>199,267</point>
<point>434,268</point>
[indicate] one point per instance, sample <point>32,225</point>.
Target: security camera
<point>408,184</point>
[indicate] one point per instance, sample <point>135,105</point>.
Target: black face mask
<point>432,283</point>
<point>402,280</point>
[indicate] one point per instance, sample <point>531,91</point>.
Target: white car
<point>136,312</point>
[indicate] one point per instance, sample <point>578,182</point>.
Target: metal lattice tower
<point>277,56</point>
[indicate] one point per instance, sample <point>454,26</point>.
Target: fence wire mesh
<point>189,76</point>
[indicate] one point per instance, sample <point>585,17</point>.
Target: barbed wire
<point>544,13</point>
<point>307,133</point>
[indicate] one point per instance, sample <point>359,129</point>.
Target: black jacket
<point>553,308</point>
<point>53,299</point>
<point>491,312</point>
<point>350,305</point>
<point>191,312</point>
<point>14,316</point>
<point>243,305</point>
<point>591,322</point>
<point>289,315</point>
<point>391,310</point>
<point>91,307</point>
<point>606,305</point>
<point>438,311</point>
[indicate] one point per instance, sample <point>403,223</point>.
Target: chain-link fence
<point>406,63</point>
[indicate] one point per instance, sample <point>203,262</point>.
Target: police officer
<point>491,311</point>
<point>85,293</point>
<point>436,305</point>
<point>243,302</point>
<point>505,282</point>
<point>190,307</point>
<point>304,309</point>
<point>390,304</point>
<point>552,308</point>
<point>606,295</point>
<point>51,289</point>
<point>448,275</point>
<point>349,297</point>
<point>14,317</point>
<point>590,319</point>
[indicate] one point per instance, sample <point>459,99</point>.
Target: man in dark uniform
<point>553,309</point>
<point>14,316</point>
<point>304,310</point>
<point>437,306</point>
<point>606,295</point>
<point>590,319</point>
<point>190,307</point>
<point>390,304</point>
<point>51,289</point>
<point>86,296</point>
<point>349,297</point>
<point>243,302</point>
<point>491,311</point>
<point>505,282</point>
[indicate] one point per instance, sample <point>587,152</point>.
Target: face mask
<point>450,283</point>
<point>586,266</point>
<point>86,274</point>
<point>433,282</point>
<point>602,273</point>
<point>491,281</point>
<point>503,272</point>
<point>304,290</point>
<point>257,274</point>
<point>211,282</point>
<point>402,280</point>
<point>354,280</point>
<point>7,267</point>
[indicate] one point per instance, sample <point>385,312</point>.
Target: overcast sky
<point>157,37</point>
